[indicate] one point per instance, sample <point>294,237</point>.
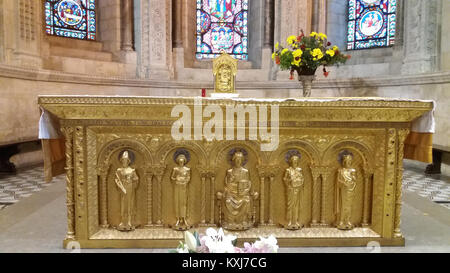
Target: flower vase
<point>307,84</point>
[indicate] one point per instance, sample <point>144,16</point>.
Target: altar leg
<point>402,134</point>
<point>68,134</point>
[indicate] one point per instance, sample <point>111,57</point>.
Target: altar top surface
<point>319,101</point>
<point>365,109</point>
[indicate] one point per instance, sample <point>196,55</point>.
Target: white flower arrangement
<point>215,241</point>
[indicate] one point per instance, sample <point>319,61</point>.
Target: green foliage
<point>285,60</point>
<point>305,54</point>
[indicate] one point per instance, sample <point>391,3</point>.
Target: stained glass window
<point>222,25</point>
<point>371,23</point>
<point>71,18</point>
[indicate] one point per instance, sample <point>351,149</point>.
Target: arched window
<point>371,23</point>
<point>71,18</point>
<point>222,25</point>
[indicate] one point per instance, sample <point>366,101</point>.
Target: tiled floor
<point>15,187</point>
<point>436,188</point>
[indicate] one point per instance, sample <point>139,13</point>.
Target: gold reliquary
<point>141,170</point>
<point>224,70</point>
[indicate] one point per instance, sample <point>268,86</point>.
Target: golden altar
<point>333,179</point>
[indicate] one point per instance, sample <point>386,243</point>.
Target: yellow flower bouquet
<point>305,54</point>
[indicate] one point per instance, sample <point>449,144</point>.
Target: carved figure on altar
<point>181,176</point>
<point>127,182</point>
<point>224,71</point>
<point>294,180</point>
<point>345,191</point>
<point>238,196</point>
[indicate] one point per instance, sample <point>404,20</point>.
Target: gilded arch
<point>220,150</point>
<point>329,156</point>
<point>311,151</point>
<point>166,148</point>
<point>111,147</point>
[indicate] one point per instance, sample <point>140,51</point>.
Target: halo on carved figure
<point>235,150</point>
<point>184,152</point>
<point>344,153</point>
<point>290,154</point>
<point>131,155</point>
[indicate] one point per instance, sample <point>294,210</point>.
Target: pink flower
<point>202,248</point>
<point>239,250</point>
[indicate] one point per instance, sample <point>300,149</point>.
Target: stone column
<point>127,52</point>
<point>291,16</point>
<point>126,23</point>
<point>421,22</point>
<point>445,37</point>
<point>155,43</point>
<point>177,30</point>
<point>269,8</point>
<point>319,16</point>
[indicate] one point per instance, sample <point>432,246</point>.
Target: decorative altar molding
<point>309,102</point>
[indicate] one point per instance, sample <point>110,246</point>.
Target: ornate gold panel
<point>100,130</point>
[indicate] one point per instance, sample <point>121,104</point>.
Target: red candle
<point>203,92</point>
